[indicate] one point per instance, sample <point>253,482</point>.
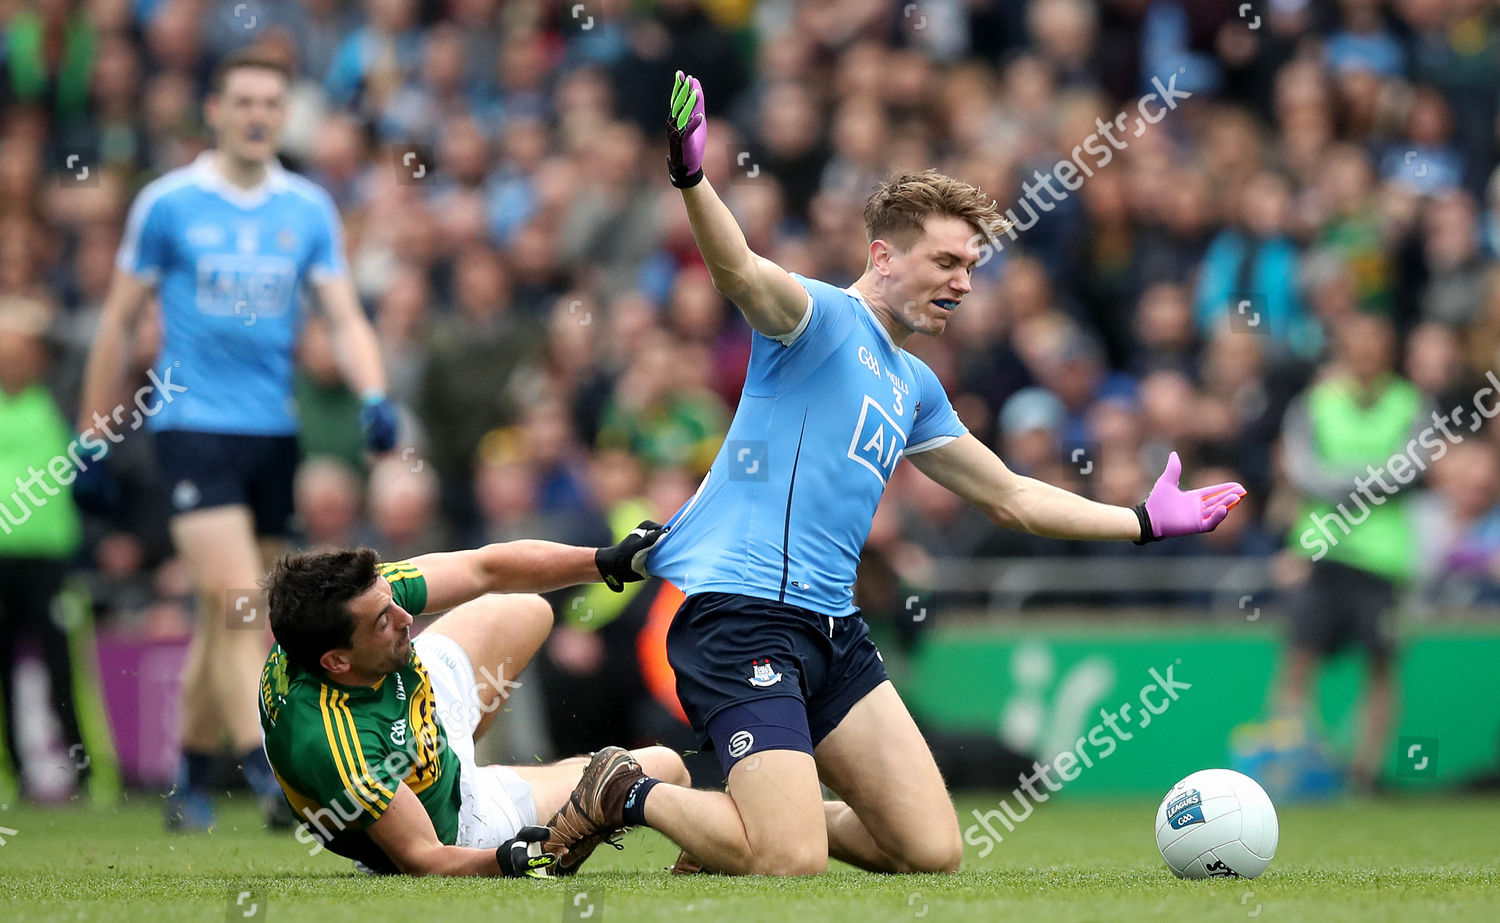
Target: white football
<point>1217,823</point>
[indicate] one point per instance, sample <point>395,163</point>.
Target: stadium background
<point>564,365</point>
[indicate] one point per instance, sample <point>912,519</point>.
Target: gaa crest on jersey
<point>878,442</point>
<point>185,495</point>
<point>762,675</point>
<point>247,237</point>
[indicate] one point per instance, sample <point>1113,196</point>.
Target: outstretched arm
<point>405,834</point>
<point>531,566</point>
<point>771,300</point>
<point>969,469</point>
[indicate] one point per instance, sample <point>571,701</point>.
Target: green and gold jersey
<point>340,752</point>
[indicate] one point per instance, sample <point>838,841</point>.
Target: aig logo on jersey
<point>878,442</point>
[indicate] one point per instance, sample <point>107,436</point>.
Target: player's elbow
<point>1002,515</point>
<point>732,284</point>
<point>1011,505</point>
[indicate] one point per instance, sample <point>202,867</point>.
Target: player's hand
<point>1170,511</point>
<point>686,133</point>
<point>377,420</point>
<point>521,856</point>
<point>626,562</point>
<point>95,491</point>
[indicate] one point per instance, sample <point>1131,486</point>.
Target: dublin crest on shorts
<point>763,674</point>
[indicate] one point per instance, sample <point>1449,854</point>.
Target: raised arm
<point>771,300</point>
<point>968,468</point>
<point>531,566</point>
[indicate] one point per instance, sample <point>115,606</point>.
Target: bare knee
<point>932,855</point>
<point>531,614</point>
<point>665,764</point>
<point>785,860</point>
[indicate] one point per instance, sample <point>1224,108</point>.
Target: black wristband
<point>604,561</point>
<point>1145,520</point>
<point>683,180</point>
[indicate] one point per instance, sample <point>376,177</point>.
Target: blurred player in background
<point>773,661</point>
<point>1337,440</point>
<point>36,538</point>
<point>227,244</point>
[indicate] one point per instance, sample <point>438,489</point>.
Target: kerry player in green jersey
<point>371,733</point>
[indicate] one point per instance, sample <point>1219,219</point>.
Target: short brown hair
<point>309,596</point>
<point>898,209</point>
<point>246,58</point>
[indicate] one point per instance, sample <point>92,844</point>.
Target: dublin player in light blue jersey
<point>228,244</point>
<point>774,666</point>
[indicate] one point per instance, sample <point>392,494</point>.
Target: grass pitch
<point>1407,860</point>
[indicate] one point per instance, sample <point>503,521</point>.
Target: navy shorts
<point>754,674</point>
<point>1341,606</point>
<point>204,470</point>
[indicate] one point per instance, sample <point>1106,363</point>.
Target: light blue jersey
<point>228,265</point>
<point>827,412</point>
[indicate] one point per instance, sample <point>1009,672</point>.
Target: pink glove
<point>686,133</point>
<point>1170,511</point>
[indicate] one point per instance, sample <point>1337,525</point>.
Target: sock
<point>193,772</point>
<point>257,771</point>
<point>635,802</point>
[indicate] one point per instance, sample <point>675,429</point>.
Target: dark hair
<point>309,596</point>
<point>245,58</point>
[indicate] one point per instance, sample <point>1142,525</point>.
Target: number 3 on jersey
<point>878,442</point>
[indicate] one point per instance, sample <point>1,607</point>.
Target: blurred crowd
<point>559,351</point>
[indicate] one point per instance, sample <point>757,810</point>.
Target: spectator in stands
<point>403,501</point>
<point>1456,270</point>
<point>327,495</point>
<point>1458,559</point>
<point>663,409</point>
<point>1249,275</point>
<point>374,59</point>
<point>1350,225</point>
<point>473,357</point>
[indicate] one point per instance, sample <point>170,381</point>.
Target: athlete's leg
<point>1299,666</point>
<point>1375,721</point>
<point>10,630</point>
<point>770,822</point>
<point>224,663</point>
<point>500,633</point>
<point>899,817</point>
<point>44,589</point>
<point>724,648</point>
<point>551,784</point>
